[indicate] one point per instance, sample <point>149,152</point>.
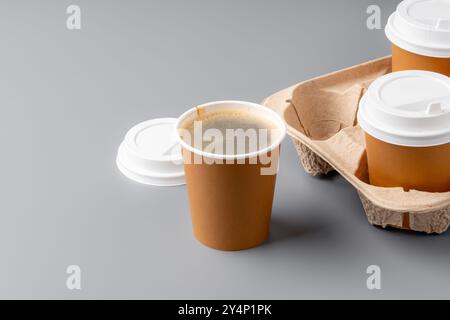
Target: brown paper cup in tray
<point>405,60</point>
<point>321,119</point>
<point>419,31</point>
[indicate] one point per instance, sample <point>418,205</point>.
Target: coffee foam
<point>235,131</point>
<point>234,115</point>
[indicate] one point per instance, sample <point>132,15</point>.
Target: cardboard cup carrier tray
<point>321,118</point>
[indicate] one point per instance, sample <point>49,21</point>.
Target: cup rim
<point>275,117</point>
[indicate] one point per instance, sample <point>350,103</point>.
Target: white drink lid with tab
<point>151,154</point>
<point>421,27</point>
<point>408,108</point>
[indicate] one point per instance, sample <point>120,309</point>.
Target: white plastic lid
<point>150,154</point>
<point>408,108</point>
<point>421,27</point>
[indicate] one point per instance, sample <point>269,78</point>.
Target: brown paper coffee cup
<point>405,60</point>
<point>231,197</point>
<point>417,168</point>
<point>420,33</point>
<point>406,118</point>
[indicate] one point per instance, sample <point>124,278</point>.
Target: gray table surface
<point>68,97</point>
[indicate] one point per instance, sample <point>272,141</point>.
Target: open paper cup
<point>231,195</point>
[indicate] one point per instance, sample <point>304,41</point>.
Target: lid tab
<point>443,24</point>
<point>435,108</point>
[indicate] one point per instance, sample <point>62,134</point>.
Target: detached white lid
<point>150,154</point>
<point>408,108</point>
<point>421,27</point>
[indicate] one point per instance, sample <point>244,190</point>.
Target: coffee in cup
<point>231,154</point>
<point>228,123</point>
<point>406,119</point>
<point>420,34</point>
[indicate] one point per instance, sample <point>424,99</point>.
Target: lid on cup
<point>150,154</point>
<point>408,108</point>
<point>421,27</point>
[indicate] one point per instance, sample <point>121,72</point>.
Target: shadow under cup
<point>231,196</point>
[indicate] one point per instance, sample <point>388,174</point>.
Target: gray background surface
<point>67,99</point>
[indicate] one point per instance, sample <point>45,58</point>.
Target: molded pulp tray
<point>321,119</point>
